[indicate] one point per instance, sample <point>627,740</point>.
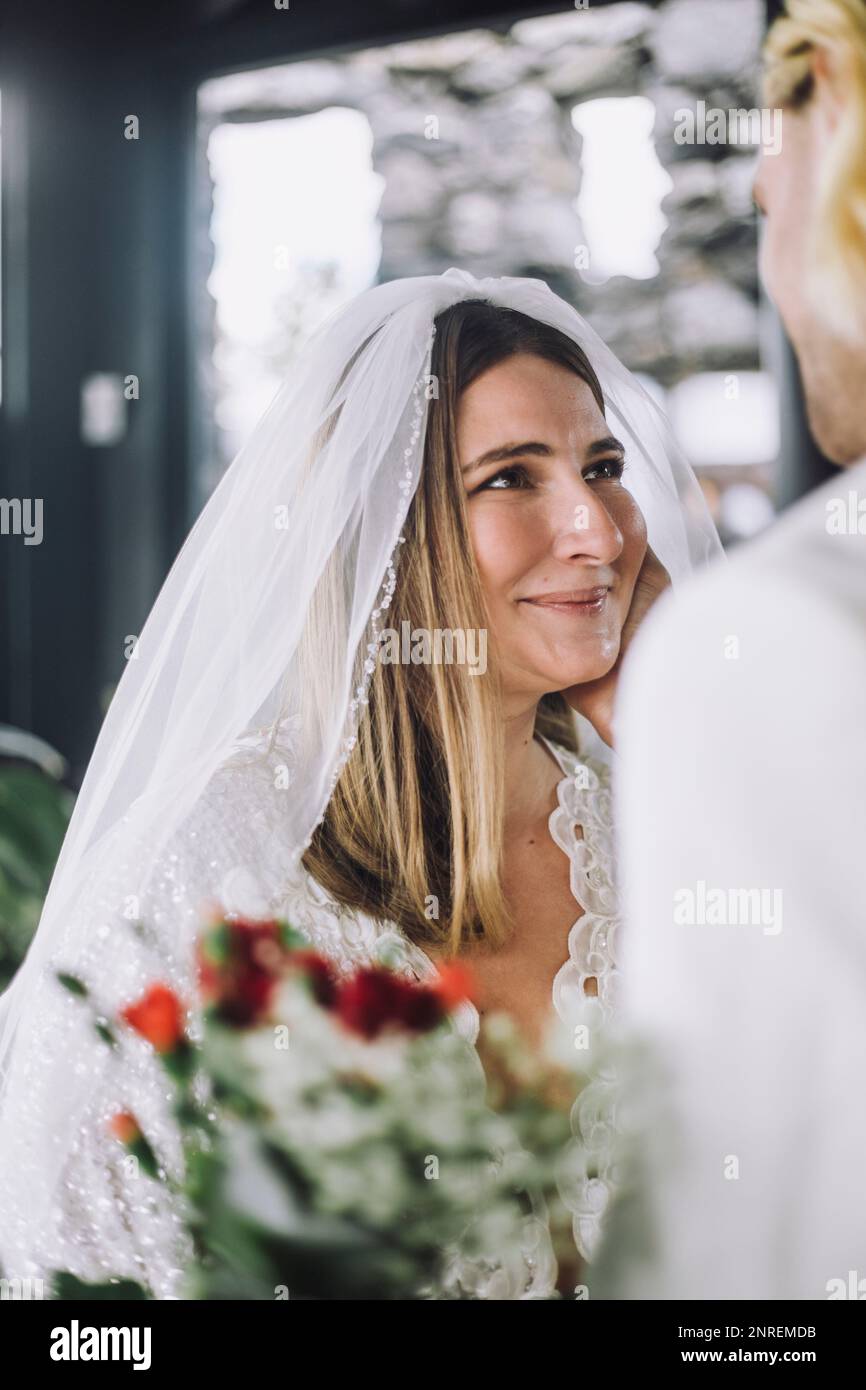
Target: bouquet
<point>340,1139</point>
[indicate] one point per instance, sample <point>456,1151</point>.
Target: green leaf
<point>140,1149</point>
<point>69,1287</point>
<point>106,1034</point>
<point>73,984</point>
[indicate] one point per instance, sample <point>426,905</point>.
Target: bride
<point>449,454</point>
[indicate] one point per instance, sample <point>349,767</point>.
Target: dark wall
<point>92,273</point>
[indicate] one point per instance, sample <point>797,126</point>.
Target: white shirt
<point>742,740</point>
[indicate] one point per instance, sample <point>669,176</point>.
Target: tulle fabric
<point>301,537</point>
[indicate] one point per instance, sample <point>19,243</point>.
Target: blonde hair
<point>838,231</point>
<point>417,812</point>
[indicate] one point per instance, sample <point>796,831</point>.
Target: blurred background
<point>189,187</point>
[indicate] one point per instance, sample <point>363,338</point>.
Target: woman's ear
<point>831,86</point>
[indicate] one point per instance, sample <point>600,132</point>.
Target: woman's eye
<point>606,469</point>
<point>506,480</point>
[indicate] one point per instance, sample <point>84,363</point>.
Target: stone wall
<point>473,135</point>
<point>493,189</point>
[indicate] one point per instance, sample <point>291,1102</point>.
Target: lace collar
<point>580,824</point>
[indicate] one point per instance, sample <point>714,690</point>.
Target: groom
<point>741,729</point>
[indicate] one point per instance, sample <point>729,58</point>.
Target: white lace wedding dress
<point>109,1223</point>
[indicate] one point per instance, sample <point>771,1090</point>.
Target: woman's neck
<point>531,776</point>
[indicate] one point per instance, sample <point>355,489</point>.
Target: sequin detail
<point>87,1209</point>
<point>406,488</point>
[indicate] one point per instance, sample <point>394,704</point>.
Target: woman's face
<point>557,538</point>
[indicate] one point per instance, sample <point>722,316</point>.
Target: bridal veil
<point>303,529</point>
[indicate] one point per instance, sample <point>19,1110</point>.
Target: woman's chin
<point>546,677</point>
<point>588,669</point>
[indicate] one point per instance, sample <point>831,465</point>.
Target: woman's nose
<point>585,528</point>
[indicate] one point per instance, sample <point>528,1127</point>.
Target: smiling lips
<point>571,600</point>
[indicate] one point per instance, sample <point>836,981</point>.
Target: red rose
<point>239,964</point>
<point>158,1017</point>
<point>455,983</point>
<point>421,1008</point>
<point>365,1003</point>
<point>124,1127</point>
<point>320,976</point>
<point>374,999</point>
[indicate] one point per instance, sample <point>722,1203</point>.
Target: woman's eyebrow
<point>508,451</point>
<point>502,452</point>
<point>606,445</point>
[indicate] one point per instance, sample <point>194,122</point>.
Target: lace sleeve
<point>87,1210</point>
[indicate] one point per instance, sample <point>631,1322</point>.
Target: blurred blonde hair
<point>838,231</point>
